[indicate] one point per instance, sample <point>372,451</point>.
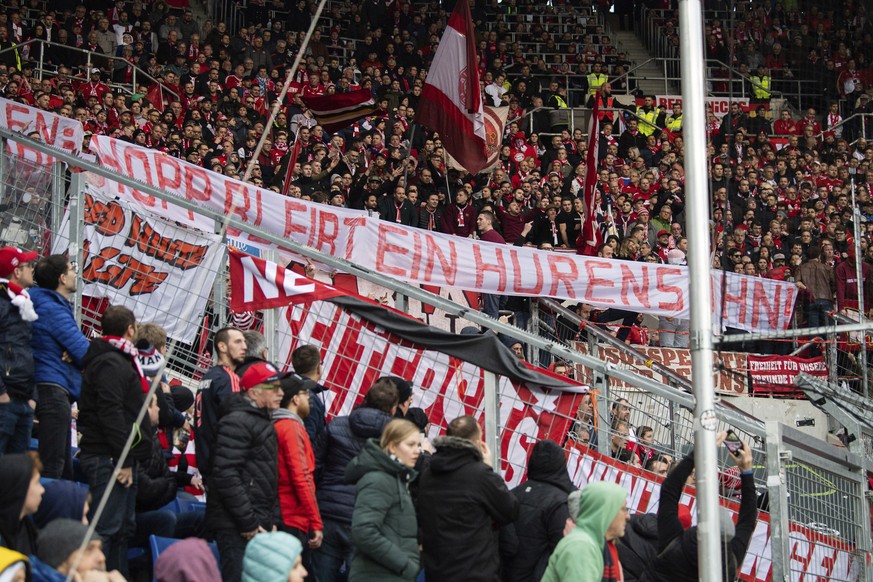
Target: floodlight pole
<point>697,219</point>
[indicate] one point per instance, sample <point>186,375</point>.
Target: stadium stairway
<point>649,76</point>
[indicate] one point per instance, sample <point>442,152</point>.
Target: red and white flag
<point>292,163</point>
<point>259,284</point>
<point>340,110</point>
<point>451,101</point>
<point>590,237</point>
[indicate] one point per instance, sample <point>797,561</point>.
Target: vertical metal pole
<point>401,303</point>
<point>600,383</point>
<point>492,418</point>
<point>219,287</point>
<point>859,271</point>
<point>76,232</point>
<point>59,193</point>
<point>41,57</point>
<point>833,374</point>
<point>4,166</point>
<point>534,328</point>
<point>709,567</point>
<point>776,487</point>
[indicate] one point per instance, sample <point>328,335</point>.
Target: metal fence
<point>820,490</point>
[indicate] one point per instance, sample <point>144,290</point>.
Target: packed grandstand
<point>570,226</point>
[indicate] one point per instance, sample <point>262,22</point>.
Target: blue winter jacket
<point>54,333</point>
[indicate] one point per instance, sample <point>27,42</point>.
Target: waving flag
<point>591,237</point>
<point>340,110</point>
<point>451,101</point>
<point>259,284</point>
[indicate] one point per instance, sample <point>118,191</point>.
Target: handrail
<point>844,122</point>
<point>97,56</point>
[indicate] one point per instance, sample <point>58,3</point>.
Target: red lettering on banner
<point>739,300</point>
<point>416,255</point>
<point>353,224</point>
<point>69,139</point>
<point>384,248</point>
<point>640,288</point>
<point>171,181</point>
<point>568,278</point>
<point>448,263</point>
<point>326,236</point>
<point>762,306</point>
<point>518,272</point>
<point>594,281</point>
<point>481,267</point>
<point>234,206</point>
<point>108,219</point>
<point>46,132</point>
<point>197,184</point>
<point>313,220</point>
<point>13,122</point>
<point>663,287</point>
<point>292,207</point>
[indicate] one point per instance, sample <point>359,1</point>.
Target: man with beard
<point>217,384</point>
<point>300,515</point>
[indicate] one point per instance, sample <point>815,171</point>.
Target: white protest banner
<point>427,258</point>
<point>53,129</point>
<point>164,273</point>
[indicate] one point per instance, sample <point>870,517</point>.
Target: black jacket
<point>16,533</point>
<point>156,485</point>
<point>340,442</point>
<point>216,385</point>
<point>16,358</point>
<point>638,546</point>
<point>677,547</point>
<point>112,395</point>
<point>244,489</point>
<point>461,502</point>
<point>525,546</point>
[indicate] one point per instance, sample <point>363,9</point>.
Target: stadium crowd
<point>354,497</point>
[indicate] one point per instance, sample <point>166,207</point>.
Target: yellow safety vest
<point>762,91</point>
<point>560,101</point>
<point>675,123</point>
<point>651,117</point>
<point>595,82</point>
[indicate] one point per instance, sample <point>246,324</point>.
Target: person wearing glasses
<point>243,491</point>
<point>59,348</point>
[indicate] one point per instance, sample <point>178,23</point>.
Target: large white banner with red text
<point>355,353</point>
<point>427,258</point>
<point>164,273</point>
<point>53,129</point>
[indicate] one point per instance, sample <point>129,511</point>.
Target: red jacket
<point>296,468</point>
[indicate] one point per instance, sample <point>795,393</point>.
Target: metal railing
<point>44,69</point>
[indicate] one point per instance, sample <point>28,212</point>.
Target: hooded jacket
<point>340,441</point>
<point>16,533</point>
<point>61,500</point>
<point>579,556</point>
<point>189,560</point>
<point>54,333</point>
<point>110,402</point>
<point>270,557</point>
<point>461,502</point>
<point>243,492</point>
<point>384,527</point>
<point>525,546</point>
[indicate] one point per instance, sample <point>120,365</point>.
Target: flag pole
<point>709,558</point>
<point>277,105</point>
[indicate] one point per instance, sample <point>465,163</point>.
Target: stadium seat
<point>159,544</point>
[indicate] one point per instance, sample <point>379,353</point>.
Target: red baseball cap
<point>662,233</point>
<point>12,257</point>
<point>260,373</point>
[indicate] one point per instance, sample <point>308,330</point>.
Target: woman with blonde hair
<point>384,526</point>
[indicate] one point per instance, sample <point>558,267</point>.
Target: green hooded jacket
<point>579,556</point>
<point>384,526</point>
